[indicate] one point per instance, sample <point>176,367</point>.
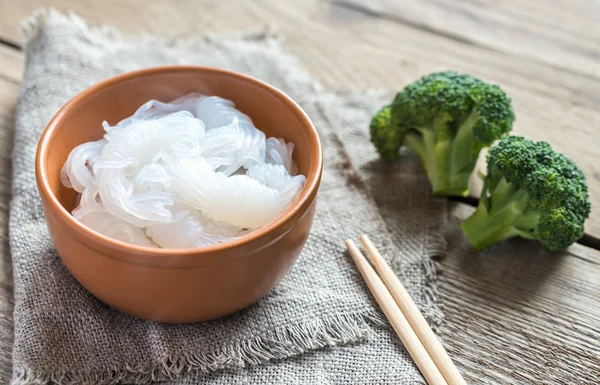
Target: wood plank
<point>12,62</point>
<point>517,314</point>
<point>564,34</point>
<point>514,315</point>
<point>551,104</point>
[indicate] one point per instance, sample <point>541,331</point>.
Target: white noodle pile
<point>191,173</point>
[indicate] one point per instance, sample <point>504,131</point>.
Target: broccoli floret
<point>446,118</point>
<point>386,140</point>
<point>529,191</point>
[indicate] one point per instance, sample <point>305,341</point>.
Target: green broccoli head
<point>446,118</point>
<point>530,191</point>
<point>387,141</point>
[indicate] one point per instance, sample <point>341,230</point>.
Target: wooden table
<point>516,315</point>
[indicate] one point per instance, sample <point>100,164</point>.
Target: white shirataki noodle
<point>191,173</point>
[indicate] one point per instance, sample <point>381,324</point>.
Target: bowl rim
<point>282,222</point>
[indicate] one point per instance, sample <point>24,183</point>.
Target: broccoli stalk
<point>446,118</point>
<point>448,161</point>
<point>531,192</point>
<point>507,217</point>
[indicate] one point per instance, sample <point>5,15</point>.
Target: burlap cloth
<point>318,326</point>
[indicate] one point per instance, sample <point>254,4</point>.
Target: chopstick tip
<point>366,241</point>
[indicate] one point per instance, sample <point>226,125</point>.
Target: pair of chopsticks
<point>404,316</point>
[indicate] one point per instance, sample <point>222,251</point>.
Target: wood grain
<point>516,314</point>
<point>12,62</point>
<point>564,35</point>
<point>552,104</point>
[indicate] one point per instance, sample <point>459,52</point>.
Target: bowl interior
<point>119,99</point>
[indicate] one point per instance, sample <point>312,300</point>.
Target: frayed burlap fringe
<point>331,331</point>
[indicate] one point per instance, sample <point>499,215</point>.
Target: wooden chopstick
<point>416,320</point>
<point>396,318</point>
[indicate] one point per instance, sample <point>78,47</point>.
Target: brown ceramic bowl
<point>173,285</point>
